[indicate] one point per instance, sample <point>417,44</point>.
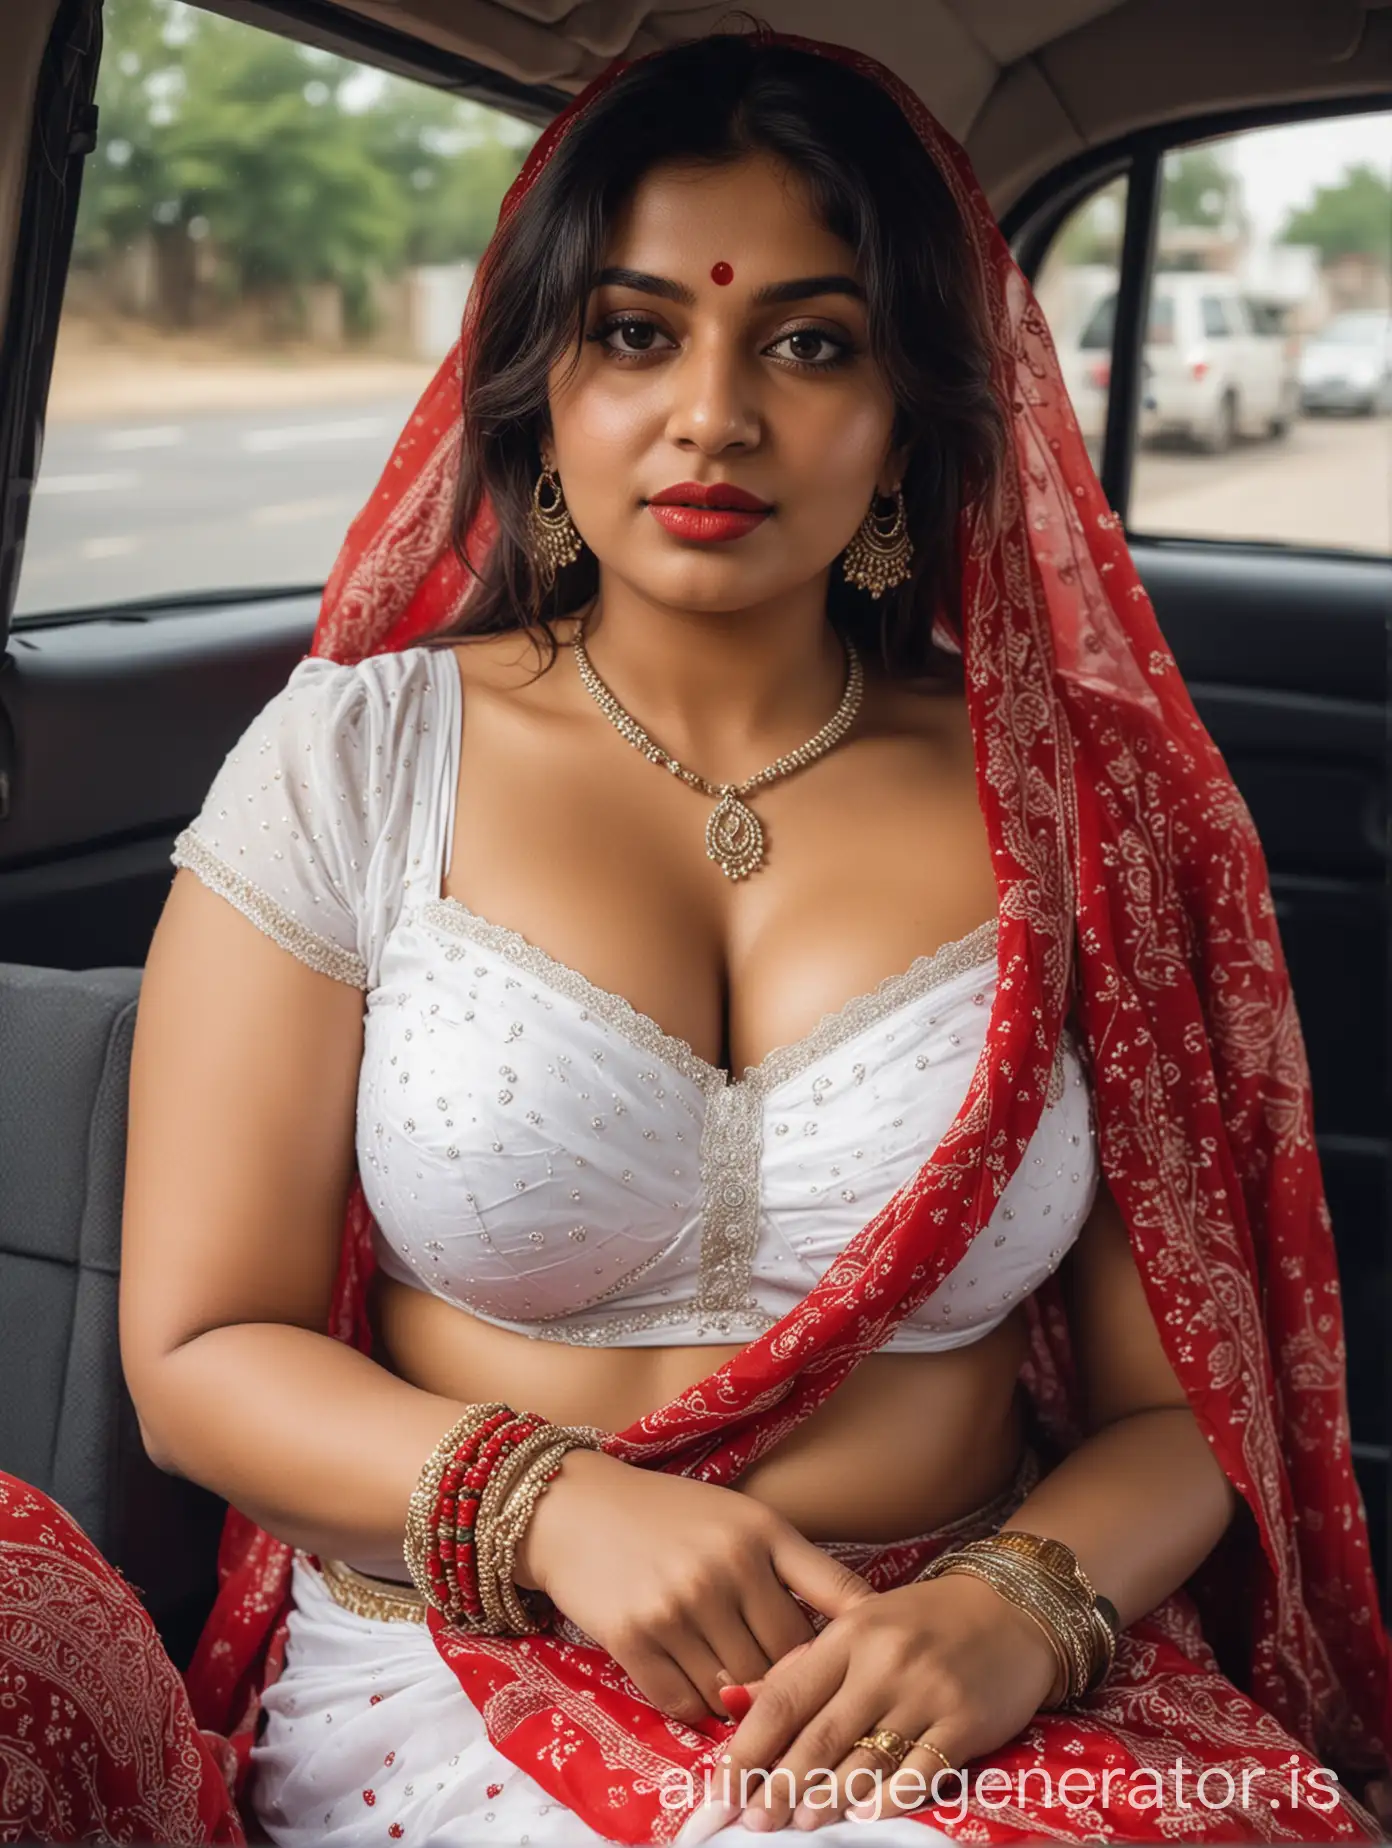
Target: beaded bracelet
<point>420,1509</point>
<point>475,1598</point>
<point>529,1484</point>
<point>451,1530</point>
<point>470,1506</point>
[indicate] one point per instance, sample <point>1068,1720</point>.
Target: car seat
<point>66,1421</point>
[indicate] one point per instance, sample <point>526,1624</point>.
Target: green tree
<point>1199,189</point>
<point>124,181</point>
<point>1353,217</point>
<point>451,160</point>
<point>1094,230</point>
<point>298,166</point>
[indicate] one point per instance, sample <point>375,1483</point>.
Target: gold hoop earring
<point>878,556</point>
<point>555,542</point>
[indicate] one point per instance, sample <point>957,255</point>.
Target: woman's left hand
<point>949,1659</point>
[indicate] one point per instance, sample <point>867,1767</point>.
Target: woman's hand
<point>950,1659</point>
<point>685,1584</point>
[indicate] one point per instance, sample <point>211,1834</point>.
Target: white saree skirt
<point>370,1740</point>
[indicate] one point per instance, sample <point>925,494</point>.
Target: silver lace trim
<point>269,917</point>
<point>732,1134</point>
<point>450,915</point>
<point>855,1016</point>
<point>731,1147</point>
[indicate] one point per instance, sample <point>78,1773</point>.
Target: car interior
<point>119,695</point>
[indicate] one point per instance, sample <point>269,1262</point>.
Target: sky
<point>1281,167</point>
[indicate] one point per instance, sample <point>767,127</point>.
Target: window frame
<point>1032,222</point>
<point>63,134</point>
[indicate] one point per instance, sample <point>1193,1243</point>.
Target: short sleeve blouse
<point>317,809</point>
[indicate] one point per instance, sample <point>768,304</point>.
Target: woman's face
<point>725,347</point>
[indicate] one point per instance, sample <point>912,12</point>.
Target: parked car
<point>1347,366</point>
<point>1217,365</point>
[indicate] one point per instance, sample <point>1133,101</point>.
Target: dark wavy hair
<point>874,185</point>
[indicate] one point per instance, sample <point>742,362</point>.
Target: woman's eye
<point>633,337</point>
<point>810,346</point>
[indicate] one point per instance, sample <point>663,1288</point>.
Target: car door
<point>1269,570</point>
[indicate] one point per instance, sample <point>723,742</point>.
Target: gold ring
<point>925,1744</point>
<point>890,1745</point>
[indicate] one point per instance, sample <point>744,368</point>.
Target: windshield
<point>1355,330</point>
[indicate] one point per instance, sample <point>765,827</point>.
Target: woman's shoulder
<point>511,665</point>
<point>309,815</point>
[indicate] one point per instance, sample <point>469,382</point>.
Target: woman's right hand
<point>687,1585</point>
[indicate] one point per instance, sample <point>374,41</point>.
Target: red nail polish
<point>738,1700</point>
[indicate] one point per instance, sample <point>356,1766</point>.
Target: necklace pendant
<point>734,837</point>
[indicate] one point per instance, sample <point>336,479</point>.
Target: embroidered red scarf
<point>1129,871</point>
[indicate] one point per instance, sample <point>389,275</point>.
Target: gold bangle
<point>1057,1560</point>
<point>1058,1557</point>
<point>1056,1605</point>
<point>517,1512</point>
<point>526,1490</point>
<point>1064,1675</point>
<point>514,1517</point>
<point>489,1528</point>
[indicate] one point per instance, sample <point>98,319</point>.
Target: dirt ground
<point>100,373</point>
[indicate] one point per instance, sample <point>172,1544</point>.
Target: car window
<point>1076,285</point>
<point>1284,434</point>
<point>272,252</point>
<point>1215,320</point>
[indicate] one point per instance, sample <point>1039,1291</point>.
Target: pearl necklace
<point>734,834</point>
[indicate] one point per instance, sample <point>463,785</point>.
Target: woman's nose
<point>713,406</point>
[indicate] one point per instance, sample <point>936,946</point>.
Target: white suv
<point>1214,369</point>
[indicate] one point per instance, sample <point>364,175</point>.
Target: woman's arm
<point>239,1159</point>
<point>241,1152</point>
<point>1143,1500</point>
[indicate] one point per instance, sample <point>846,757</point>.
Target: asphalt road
<point>127,510</point>
<point>140,509</point>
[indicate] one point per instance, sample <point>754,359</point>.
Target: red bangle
<point>443,1522</point>
<point>452,1560</point>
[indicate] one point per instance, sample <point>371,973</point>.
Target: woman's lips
<point>708,513</point>
<point>705,525</point>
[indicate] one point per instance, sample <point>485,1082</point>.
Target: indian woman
<point>720,1162</point>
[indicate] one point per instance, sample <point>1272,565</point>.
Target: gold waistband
<point>383,1600</point>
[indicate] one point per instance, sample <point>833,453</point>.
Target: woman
<point>764,441</point>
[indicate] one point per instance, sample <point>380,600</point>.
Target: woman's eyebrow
<point>800,289</point>
<point>646,284</point>
<point>804,286</point>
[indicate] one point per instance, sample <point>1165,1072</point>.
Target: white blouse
<point>533,1149</point>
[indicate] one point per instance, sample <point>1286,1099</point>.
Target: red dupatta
<point>1128,870</point>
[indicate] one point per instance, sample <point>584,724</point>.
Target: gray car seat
<point>66,1422</point>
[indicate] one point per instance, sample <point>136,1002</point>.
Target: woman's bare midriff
<point>907,1442</point>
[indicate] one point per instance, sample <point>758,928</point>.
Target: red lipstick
<point>708,514</point>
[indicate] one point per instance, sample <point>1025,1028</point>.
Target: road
<point>141,509</point>
<point>1328,482</point>
<point>138,509</point>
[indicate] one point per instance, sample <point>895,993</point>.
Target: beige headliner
<point>1026,83</point>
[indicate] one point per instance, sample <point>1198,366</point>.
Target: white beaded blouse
<point>533,1149</point>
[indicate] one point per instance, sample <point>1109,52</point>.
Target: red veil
<point>1130,878</point>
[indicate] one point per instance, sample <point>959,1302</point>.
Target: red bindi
<point>721,273</point>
